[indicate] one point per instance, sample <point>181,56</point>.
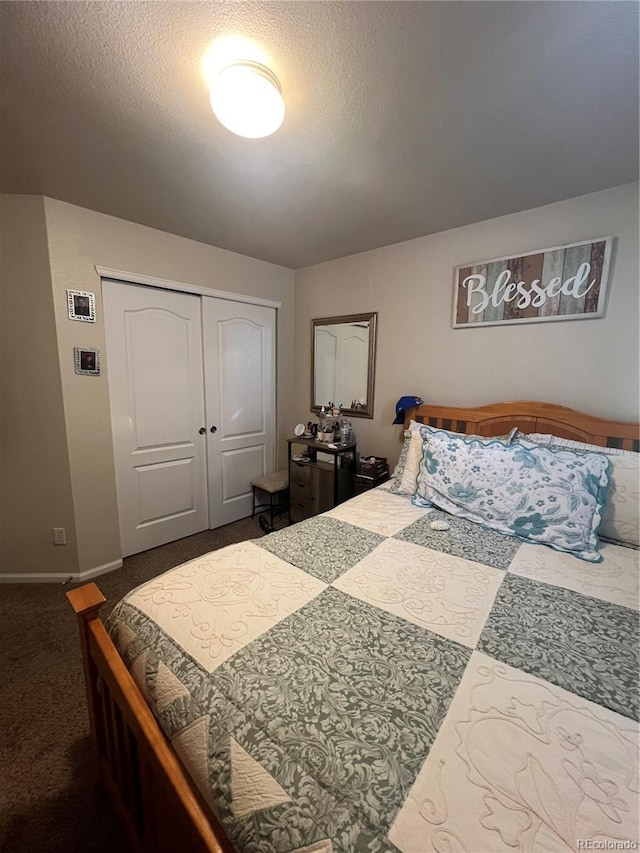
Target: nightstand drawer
<point>301,494</point>
<point>299,512</point>
<point>299,472</point>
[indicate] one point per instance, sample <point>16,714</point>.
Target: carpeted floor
<point>49,800</point>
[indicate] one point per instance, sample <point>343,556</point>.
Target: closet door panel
<point>166,490</point>
<point>241,343</point>
<point>239,467</point>
<point>161,410</point>
<point>156,388</point>
<point>239,359</point>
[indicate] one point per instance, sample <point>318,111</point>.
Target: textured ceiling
<point>403,119</point>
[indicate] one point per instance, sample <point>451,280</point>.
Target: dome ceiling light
<point>246,99</point>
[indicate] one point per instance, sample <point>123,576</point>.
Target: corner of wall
<point>36,486</point>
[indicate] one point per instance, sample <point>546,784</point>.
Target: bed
<point>371,680</point>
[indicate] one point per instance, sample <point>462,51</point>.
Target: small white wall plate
<point>299,429</point>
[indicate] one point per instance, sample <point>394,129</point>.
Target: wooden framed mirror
<point>343,355</point>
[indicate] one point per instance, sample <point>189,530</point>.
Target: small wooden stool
<point>274,485</point>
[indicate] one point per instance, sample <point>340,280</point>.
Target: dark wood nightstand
<point>362,483</point>
<point>318,485</point>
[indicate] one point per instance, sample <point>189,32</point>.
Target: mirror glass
<point>343,358</point>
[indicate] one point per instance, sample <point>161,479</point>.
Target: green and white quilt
<point>363,682</point>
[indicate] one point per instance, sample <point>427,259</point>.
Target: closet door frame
<point>167,284</point>
<point>126,277</point>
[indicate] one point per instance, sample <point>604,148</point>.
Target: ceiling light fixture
<point>246,99</point>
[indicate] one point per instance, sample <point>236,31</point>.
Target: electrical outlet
<point>59,536</point>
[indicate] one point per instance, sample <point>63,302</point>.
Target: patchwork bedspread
<point>363,682</point>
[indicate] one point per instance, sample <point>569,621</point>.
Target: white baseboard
<point>60,577</point>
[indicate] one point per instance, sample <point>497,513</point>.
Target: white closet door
<point>154,359</point>
<point>239,358</point>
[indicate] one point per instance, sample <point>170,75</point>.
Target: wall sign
<point>562,283</point>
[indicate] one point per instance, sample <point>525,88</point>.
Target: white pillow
<point>556,441</point>
<point>406,473</point>
<point>621,517</point>
<point>409,479</point>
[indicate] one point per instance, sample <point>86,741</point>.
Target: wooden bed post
<point>160,808</point>
<point>86,602</point>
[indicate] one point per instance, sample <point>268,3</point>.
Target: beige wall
<point>78,239</point>
<point>36,483</point>
<point>590,365</point>
<point>57,459</point>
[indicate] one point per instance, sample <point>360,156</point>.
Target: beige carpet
<point>49,800</point>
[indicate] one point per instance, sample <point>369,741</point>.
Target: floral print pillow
<point>406,473</point>
<point>553,497</point>
<point>621,519</point>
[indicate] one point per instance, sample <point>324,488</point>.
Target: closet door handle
<point>214,429</point>
<point>202,430</point>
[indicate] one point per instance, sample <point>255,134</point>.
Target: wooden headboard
<point>529,416</point>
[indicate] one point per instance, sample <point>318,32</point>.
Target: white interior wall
<point>35,493</point>
<point>56,442</point>
<point>78,240</point>
<point>591,365</point>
